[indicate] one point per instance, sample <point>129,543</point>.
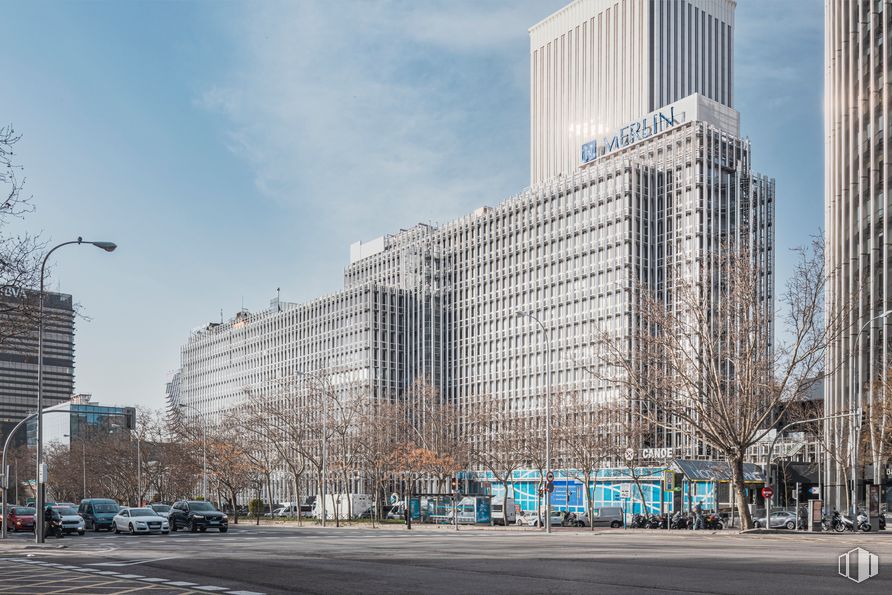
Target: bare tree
<point>707,361</point>
<point>496,443</point>
<point>20,254</point>
<point>270,419</point>
<point>229,465</point>
<point>585,433</point>
<point>876,432</point>
<point>436,448</point>
<point>381,445</point>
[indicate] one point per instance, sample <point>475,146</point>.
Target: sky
<point>233,148</point>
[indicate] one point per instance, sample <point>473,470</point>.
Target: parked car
<point>98,513</point>
<point>197,515</point>
<point>780,519</point>
<point>20,518</point>
<point>162,510</point>
<point>529,518</point>
<point>140,520</point>
<point>69,519</point>
<point>606,516</point>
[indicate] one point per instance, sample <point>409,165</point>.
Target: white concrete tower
<point>598,64</point>
<point>857,97</point>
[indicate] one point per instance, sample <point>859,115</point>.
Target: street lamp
<point>324,437</point>
<point>204,449</point>
<point>547,414</point>
<point>38,525</point>
<point>855,424</point>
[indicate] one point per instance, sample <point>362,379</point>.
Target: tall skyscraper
<point>857,104</point>
<point>18,354</point>
<point>598,64</point>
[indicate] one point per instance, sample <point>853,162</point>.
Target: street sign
<point>549,486</point>
<point>549,476</point>
<point>625,491</point>
<point>815,490</point>
<point>767,492</point>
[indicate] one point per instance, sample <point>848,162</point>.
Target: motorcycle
<point>863,522</point>
<point>680,521</point>
<point>572,520</point>
<point>639,521</point>
<point>713,522</point>
<point>838,522</point>
<point>656,521</point>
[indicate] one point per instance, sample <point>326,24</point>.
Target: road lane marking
<point>133,563</point>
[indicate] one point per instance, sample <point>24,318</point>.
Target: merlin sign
<point>631,133</point>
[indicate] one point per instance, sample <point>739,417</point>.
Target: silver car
<point>780,519</point>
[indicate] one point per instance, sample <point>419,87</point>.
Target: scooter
<point>863,522</point>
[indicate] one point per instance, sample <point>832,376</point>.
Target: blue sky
<point>231,148</point>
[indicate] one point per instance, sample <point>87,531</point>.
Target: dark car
<point>20,518</point>
<point>98,513</point>
<point>197,515</point>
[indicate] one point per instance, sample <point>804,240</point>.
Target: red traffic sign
<point>549,476</point>
<point>767,492</point>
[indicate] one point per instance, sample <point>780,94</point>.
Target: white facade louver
<point>857,103</point>
<point>597,64</point>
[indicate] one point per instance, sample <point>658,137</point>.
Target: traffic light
<point>454,484</point>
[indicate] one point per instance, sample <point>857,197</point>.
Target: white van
<point>503,511</point>
<point>357,504</point>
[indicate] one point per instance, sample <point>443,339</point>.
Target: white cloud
<point>379,114</point>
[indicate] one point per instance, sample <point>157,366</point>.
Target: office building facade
<point>857,97</point>
<point>646,203</point>
<point>18,354</point>
<point>598,64</point>
<point>79,419</point>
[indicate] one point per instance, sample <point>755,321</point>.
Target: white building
<point>660,192</point>
<point>856,155</point>
<point>597,64</point>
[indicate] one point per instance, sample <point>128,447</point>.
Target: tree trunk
<point>589,504</point>
<point>296,487</point>
<point>269,490</point>
<point>233,498</point>
<point>736,463</point>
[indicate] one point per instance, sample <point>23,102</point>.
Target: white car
<point>140,520</point>
<point>162,510</point>
<point>529,518</point>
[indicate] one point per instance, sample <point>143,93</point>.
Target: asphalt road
<point>250,560</point>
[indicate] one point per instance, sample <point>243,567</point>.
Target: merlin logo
<point>859,565</point>
<point>590,151</point>
<point>632,133</point>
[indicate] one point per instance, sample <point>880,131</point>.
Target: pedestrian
<point>698,516</point>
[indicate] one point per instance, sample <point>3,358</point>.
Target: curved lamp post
<point>39,500</point>
<point>547,414</point>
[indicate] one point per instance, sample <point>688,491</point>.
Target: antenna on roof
<point>278,299</point>
<point>221,315</point>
